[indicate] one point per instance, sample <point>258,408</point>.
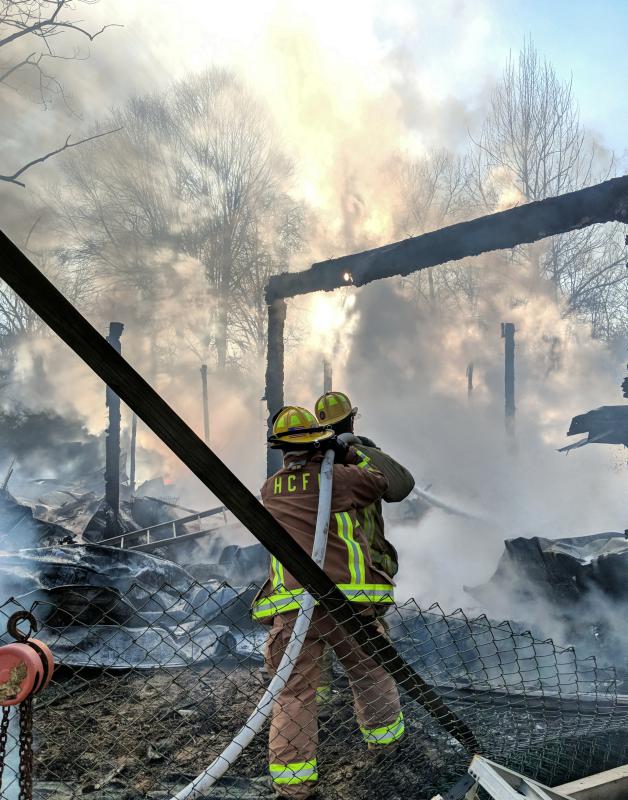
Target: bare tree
<point>194,180</point>
<point>532,139</point>
<point>231,175</point>
<point>33,35</point>
<point>17,320</point>
<point>533,146</point>
<point>434,192</point>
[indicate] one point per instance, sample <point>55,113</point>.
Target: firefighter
<point>291,496</point>
<point>335,410</point>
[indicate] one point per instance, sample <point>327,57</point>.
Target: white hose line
<point>262,712</point>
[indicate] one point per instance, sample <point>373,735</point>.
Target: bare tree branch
<point>13,178</point>
<point>48,26</point>
<point>43,20</point>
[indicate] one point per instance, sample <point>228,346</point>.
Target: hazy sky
<point>406,73</point>
<point>453,48</point>
<point>587,40</point>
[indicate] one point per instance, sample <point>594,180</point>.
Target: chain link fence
<point>154,681</point>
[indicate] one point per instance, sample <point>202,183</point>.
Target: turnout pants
<point>293,734</point>
<point>323,690</point>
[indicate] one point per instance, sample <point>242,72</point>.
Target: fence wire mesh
<point>154,681</point>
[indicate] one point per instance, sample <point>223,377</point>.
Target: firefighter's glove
<point>341,450</point>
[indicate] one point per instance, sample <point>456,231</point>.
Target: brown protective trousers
<point>323,690</point>
<point>293,734</point>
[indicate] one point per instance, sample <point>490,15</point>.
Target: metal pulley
<point>26,667</point>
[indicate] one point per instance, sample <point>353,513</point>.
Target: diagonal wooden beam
<point>605,202</point>
<point>57,312</point>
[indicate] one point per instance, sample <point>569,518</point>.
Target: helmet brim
<point>301,438</point>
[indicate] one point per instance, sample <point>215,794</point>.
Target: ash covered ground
<point>131,736</point>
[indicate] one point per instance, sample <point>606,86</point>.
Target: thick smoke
<point>347,97</point>
<point>406,370</point>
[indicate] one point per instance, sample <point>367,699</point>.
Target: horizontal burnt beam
<point>605,202</point>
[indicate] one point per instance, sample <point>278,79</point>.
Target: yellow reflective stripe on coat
<point>369,593</point>
<point>298,772</point>
<point>277,603</point>
<point>278,576</point>
<point>386,734</point>
<point>365,460</point>
<point>344,523</point>
<point>369,524</point>
<point>289,600</point>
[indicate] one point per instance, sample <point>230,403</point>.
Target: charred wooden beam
<point>57,312</point>
<point>327,375</point>
<point>605,202</point>
<point>508,335</point>
<point>469,374</point>
<point>132,455</point>
<point>274,374</point>
<point>205,403</point>
<point>112,443</point>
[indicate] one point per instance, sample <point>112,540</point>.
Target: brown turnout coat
<point>291,496</point>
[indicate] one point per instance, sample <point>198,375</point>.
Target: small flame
<point>347,277</point>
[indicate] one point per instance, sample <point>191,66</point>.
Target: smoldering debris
<point>574,589</point>
<point>19,526</point>
<point>110,608</point>
<point>604,425</point>
<point>47,443</point>
<point>65,513</point>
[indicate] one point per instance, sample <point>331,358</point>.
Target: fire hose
<point>262,712</point>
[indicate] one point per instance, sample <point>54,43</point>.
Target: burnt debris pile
<point>575,589</point>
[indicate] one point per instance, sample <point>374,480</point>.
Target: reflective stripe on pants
<point>387,734</point>
<point>291,774</point>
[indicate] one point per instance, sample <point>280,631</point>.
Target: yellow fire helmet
<point>333,407</point>
<point>298,426</point>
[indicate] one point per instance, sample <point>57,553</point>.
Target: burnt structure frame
<point>604,202</point>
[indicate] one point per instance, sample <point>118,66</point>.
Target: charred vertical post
<point>469,380</point>
<point>327,375</point>
<point>112,443</point>
<point>132,455</point>
<point>7,477</point>
<point>205,404</point>
<point>508,335</point>
<point>275,373</point>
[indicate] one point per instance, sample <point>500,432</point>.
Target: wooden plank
<point>57,312</point>
<point>605,202</point>
<point>609,785</point>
